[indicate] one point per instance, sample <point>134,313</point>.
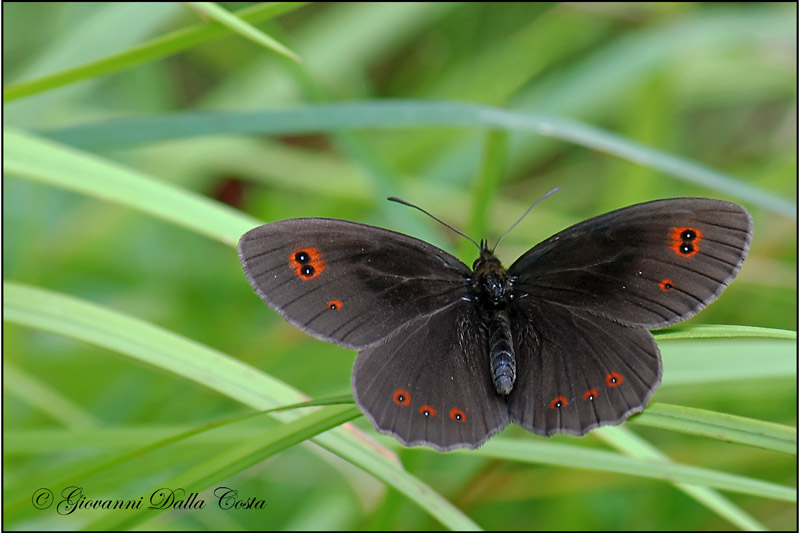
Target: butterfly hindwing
<point>429,383</point>
<point>348,283</point>
<point>577,371</point>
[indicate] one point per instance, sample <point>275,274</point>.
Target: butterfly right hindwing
<point>577,371</point>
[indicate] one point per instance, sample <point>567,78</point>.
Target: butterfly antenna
<point>551,192</point>
<point>409,204</point>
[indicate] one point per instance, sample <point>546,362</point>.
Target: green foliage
<point>135,353</point>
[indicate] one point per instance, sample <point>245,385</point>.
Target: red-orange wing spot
<point>685,241</point>
<point>590,395</point>
<point>335,305</point>
<point>559,402</point>
<point>402,397</point>
<point>307,263</point>
<point>614,379</point>
<point>457,415</point>
<point>667,285</point>
<point>428,411</point>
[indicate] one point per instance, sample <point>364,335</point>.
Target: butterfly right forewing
<point>630,265</point>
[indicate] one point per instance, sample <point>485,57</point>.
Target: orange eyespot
<point>307,263</point>
<point>427,411</point>
<point>590,395</point>
<point>685,241</point>
<point>559,402</point>
<point>402,397</point>
<point>335,305</point>
<point>614,379</point>
<point>458,415</point>
<point>667,285</point>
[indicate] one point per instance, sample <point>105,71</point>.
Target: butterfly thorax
<point>490,280</point>
<point>493,286</point>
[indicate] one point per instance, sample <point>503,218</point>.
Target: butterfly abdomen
<point>501,352</point>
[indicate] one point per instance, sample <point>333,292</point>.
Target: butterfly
<point>557,343</point>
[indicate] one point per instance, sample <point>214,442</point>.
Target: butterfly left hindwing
<point>429,383</point>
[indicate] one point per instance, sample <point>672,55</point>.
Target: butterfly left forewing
<point>348,283</point>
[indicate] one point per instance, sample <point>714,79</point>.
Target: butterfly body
<point>557,343</point>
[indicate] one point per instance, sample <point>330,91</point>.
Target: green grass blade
<point>725,359</point>
<point>230,461</point>
<point>536,452</point>
<point>723,331</point>
<point>485,189</point>
<point>632,445</point>
<point>36,159</point>
<point>406,113</point>
<point>237,25</point>
<point>721,426</point>
<point>158,48</point>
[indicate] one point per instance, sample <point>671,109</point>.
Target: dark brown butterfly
<point>557,343</point>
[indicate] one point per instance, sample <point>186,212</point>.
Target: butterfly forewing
<point>345,282</point>
<point>649,264</point>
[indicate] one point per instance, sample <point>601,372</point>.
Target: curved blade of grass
<point>226,463</point>
<point>237,25</point>
<point>161,47</point>
<point>726,359</point>
<point>70,439</point>
<point>36,159</point>
<point>486,187</point>
<point>406,113</point>
<point>17,382</point>
<point>151,345</point>
<point>537,452</point>
<point>721,426</point>
<point>719,331</point>
<point>632,445</point>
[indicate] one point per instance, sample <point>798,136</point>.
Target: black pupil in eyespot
<point>307,270</point>
<point>302,257</point>
<point>688,235</point>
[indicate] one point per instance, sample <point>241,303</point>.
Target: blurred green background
<point>713,83</point>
